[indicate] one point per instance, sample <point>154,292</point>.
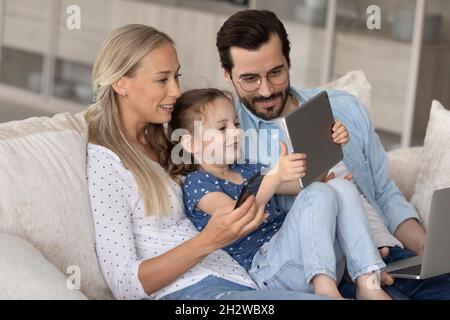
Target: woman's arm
<point>225,226</point>
<point>132,278</point>
<point>127,274</point>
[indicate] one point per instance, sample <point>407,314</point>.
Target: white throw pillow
<point>403,168</point>
<point>26,274</point>
<point>44,196</point>
<point>355,83</point>
<point>434,168</point>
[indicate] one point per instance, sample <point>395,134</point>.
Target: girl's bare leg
<point>368,288</point>
<point>326,286</point>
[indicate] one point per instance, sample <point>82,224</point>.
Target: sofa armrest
<point>403,167</point>
<point>26,274</point>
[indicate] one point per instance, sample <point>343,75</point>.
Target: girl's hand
<point>289,167</point>
<point>227,225</point>
<point>340,133</point>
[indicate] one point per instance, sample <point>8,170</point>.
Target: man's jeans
<point>436,288</point>
<point>326,222</point>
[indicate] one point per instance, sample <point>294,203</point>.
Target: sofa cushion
<point>355,83</point>
<point>434,168</point>
<point>26,274</point>
<point>44,196</point>
<point>402,168</point>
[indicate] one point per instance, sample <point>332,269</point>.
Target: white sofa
<point>46,232</point>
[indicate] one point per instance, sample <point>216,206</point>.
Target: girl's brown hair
<point>188,108</point>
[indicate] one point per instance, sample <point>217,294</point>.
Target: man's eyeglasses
<point>253,81</point>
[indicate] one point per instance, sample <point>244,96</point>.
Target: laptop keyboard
<point>415,270</point>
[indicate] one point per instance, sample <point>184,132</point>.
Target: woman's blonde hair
<point>120,55</point>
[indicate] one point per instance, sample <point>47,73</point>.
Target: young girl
<point>296,251</point>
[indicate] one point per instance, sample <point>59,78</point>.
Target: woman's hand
<point>290,167</point>
<point>340,133</point>
<point>227,225</point>
<point>224,227</point>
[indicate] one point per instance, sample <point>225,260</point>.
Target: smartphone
<point>250,188</point>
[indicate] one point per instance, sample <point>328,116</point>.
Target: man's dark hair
<point>249,29</point>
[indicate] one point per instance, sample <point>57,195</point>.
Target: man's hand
<point>327,177</point>
<point>340,133</point>
<point>386,280</point>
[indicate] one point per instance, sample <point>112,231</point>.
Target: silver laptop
<point>436,255</point>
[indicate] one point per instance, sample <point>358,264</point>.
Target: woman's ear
<point>121,86</point>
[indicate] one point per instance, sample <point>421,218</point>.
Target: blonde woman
<point>146,247</point>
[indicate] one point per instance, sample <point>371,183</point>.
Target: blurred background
<point>45,68</point>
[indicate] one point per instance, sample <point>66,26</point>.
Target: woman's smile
<point>167,107</point>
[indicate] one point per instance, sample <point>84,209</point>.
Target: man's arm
<point>401,216</point>
<point>412,235</point>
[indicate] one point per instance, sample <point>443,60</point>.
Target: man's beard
<point>270,113</point>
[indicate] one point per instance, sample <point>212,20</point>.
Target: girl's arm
<point>291,188</point>
<point>283,178</point>
<point>211,201</point>
<point>271,186</point>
